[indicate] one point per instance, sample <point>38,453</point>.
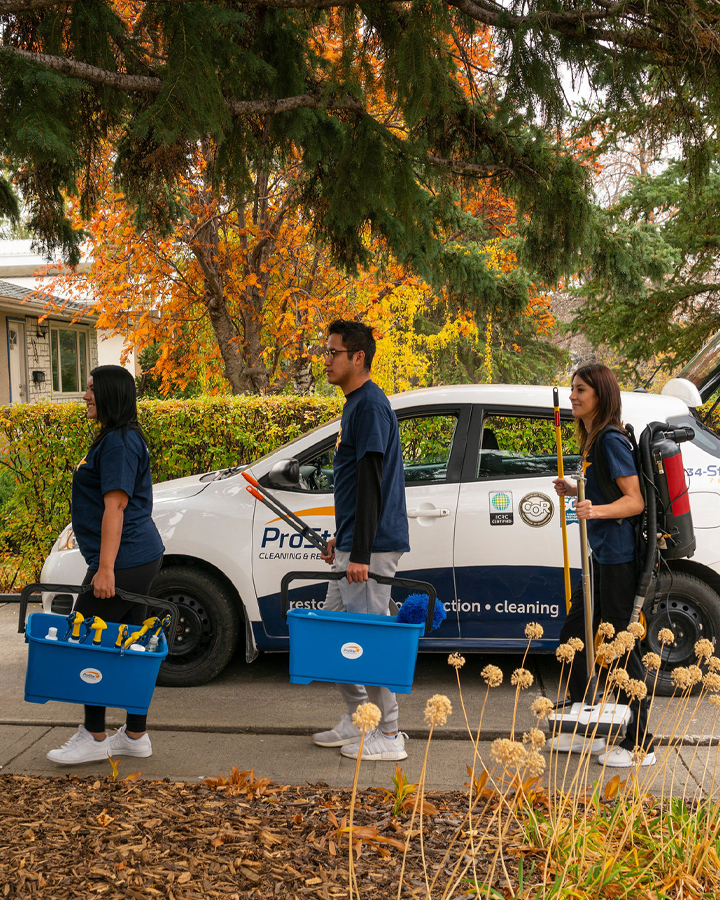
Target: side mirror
<point>284,474</point>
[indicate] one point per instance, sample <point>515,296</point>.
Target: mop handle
<point>283,512</point>
<point>563,518</point>
<point>587,584</point>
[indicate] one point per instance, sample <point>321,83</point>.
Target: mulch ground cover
<point>235,837</point>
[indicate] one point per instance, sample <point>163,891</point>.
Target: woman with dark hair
<point>112,521</point>
<point>595,399</point>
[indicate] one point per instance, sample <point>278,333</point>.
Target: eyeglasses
<point>329,353</point>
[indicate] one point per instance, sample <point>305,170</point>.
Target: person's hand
<point>357,572</point>
<point>103,582</point>
<point>586,510</point>
<point>564,487</point>
<point>329,555</point>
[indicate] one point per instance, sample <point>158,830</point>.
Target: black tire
<point>208,627</point>
<point>691,609</point>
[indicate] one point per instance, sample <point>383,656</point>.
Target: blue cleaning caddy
<point>327,645</point>
<point>93,674</point>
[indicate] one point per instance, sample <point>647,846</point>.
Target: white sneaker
<point>377,746</point>
<point>343,733</point>
<point>123,745</point>
<point>620,758</point>
<point>81,748</point>
<point>566,742</point>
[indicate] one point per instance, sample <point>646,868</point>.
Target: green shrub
<point>42,442</point>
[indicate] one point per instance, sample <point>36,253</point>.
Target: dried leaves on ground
<point>237,837</point>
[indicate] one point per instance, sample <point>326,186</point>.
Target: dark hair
<point>115,401</point>
<point>604,383</point>
<point>355,336</point>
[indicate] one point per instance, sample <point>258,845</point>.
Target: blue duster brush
<point>414,611</point>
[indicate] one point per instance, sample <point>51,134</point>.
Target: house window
<point>68,352</point>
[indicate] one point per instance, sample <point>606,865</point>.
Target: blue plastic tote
<point>350,648</point>
<point>93,674</point>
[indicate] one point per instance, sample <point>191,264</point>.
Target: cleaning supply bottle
<point>152,644</point>
<point>52,634</point>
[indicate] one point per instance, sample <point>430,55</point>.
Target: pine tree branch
<point>151,85</point>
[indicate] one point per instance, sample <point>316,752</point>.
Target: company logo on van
<point>536,509</point>
<point>91,676</point>
<point>351,650</point>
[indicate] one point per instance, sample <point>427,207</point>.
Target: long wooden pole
<point>563,520</point>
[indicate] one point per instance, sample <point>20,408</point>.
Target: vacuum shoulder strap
<point>608,487</point>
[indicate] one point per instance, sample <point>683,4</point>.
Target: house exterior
<point>45,355</point>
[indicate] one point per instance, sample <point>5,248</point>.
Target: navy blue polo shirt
<point>612,540</point>
<point>369,425</point>
<point>120,462</point>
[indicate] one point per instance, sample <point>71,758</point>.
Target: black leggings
<point>136,580</point>
<point>613,594</point>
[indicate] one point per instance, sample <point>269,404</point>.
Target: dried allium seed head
<point>666,636</point>
<point>618,677</point>
<point>521,678</point>
<point>533,631</point>
<point>500,751</point>
<point>680,678</point>
<point>606,653</point>
<point>606,630</point>
<point>534,737</point>
<point>366,717</point>
<point>695,674</point>
<point>714,699</point>
<point>517,755</point>
<point>542,707</point>
<point>711,682</point>
<point>636,689</point>
<point>437,710</point>
<point>652,662</point>
<point>565,653</point>
<point>492,676</point>
<point>624,641</point>
<point>704,648</point>
<point>713,664</point>
<point>534,764</point>
<point>636,630</point>
<point>456,660</point>
<point>576,644</point>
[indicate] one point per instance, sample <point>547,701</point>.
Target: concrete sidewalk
<point>253,718</point>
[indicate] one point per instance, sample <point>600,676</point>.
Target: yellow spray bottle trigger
<point>136,635</point>
<point>77,622</point>
<point>122,631</point>
<point>98,626</point>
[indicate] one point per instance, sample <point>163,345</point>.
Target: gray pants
<point>370,598</point>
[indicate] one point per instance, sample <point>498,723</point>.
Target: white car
<point>484,528</point>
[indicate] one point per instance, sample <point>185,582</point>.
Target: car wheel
<point>691,610</point>
<point>208,626</point>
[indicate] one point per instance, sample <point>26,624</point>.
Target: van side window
<point>316,471</point>
<point>517,446</point>
<point>426,443</point>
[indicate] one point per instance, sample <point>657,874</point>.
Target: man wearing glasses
<point>370,520</point>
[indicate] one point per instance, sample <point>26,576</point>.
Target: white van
<point>484,527</point>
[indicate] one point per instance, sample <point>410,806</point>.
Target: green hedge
<point>41,443</point>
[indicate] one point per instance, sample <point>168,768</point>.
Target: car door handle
<point>428,513</point>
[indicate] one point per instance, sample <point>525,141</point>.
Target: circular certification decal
<point>500,501</point>
<point>91,676</point>
<point>536,509</point>
<point>351,650</point>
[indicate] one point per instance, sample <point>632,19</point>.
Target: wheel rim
<point>688,624</point>
<point>193,633</point>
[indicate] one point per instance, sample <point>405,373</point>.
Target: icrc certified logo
<point>536,509</point>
